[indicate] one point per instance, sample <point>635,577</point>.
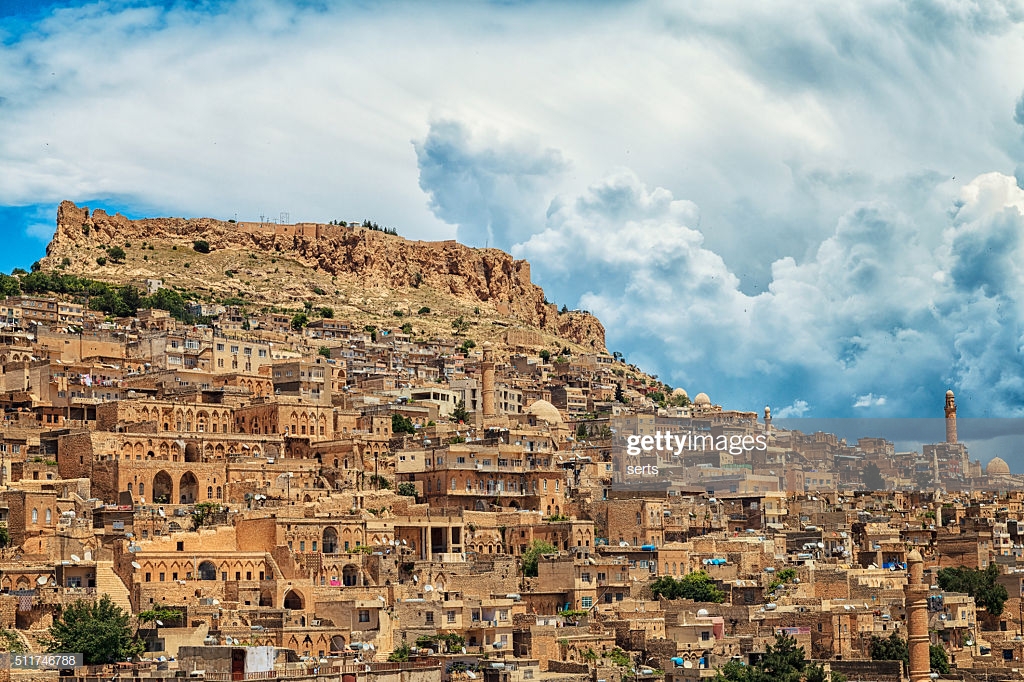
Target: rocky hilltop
<point>280,264</point>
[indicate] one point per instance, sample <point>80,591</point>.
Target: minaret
<point>487,370</point>
<point>767,421</point>
<point>916,601</point>
<point>950,418</point>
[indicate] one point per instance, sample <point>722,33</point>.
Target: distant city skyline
<point>816,208</point>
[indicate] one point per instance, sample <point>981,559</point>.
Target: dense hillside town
<point>289,493</point>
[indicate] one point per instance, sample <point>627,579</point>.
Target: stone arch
<point>163,488</point>
<point>293,600</point>
<point>188,488</point>
<point>191,452</point>
<point>350,575</point>
<point>266,598</point>
<point>337,643</point>
<point>329,541</point>
<point>207,570</point>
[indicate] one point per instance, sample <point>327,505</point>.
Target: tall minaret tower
<point>487,372</point>
<point>916,596</point>
<point>950,418</point>
<point>767,421</point>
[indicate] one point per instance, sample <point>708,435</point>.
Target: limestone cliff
<point>361,257</point>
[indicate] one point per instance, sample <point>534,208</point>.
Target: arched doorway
<point>293,600</point>
<point>330,540</point>
<point>188,488</point>
<point>349,575</point>
<point>337,643</point>
<point>191,453</point>
<point>207,571</point>
<point>163,487</point>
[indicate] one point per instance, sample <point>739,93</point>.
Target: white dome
<point>544,410</point>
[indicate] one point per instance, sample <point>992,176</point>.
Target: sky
<point>812,206</point>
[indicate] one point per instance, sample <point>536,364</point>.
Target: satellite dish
<point>381,597</point>
<point>216,601</point>
<point>41,580</point>
<point>161,512</point>
<point>75,558</point>
<point>428,588</point>
<point>687,664</point>
<point>136,565</point>
<point>88,555</point>
<point>404,542</point>
<point>160,623</point>
<point>415,578</point>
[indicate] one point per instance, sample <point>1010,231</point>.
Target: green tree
<point>100,630</point>
<point>460,325</point>
<point>938,659</point>
<point>407,489</point>
<point>5,535</point>
<point>891,648</point>
<point>116,254</point>
<point>581,431</point>
<point>980,584</point>
<point>697,586</point>
<point>467,345</point>
<point>423,311</point>
<point>407,328</point>
<point>401,424</point>
<point>299,320</point>
<point>201,246</point>
<point>619,396</point>
<point>327,312</point>
<point>11,642</point>
<point>9,286</point>
<point>460,414</point>
<point>783,661</point>
<point>532,555</point>
<point>545,355</point>
<point>161,614</point>
<point>400,654</point>
<point>324,351</point>
<point>871,475</point>
<point>203,513</point>
<point>169,300</point>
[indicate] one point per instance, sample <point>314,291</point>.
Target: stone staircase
<point>109,582</point>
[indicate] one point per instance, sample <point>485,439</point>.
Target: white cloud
<point>869,400</point>
<point>798,409</point>
<point>822,262</point>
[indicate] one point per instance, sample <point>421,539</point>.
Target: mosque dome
<point>949,393</point>
<point>680,392</point>
<point>702,399</point>
<point>544,410</point>
<point>997,467</point>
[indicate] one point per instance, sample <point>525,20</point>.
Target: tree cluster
<point>783,661</point>
<point>980,584</point>
<point>98,629</point>
<point>697,586</point>
<point>401,424</point>
<point>532,556</point>
<point>894,648</point>
<point>122,301</point>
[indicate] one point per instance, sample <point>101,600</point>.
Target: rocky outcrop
<point>375,258</point>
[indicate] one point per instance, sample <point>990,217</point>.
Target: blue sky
<point>804,205</point>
